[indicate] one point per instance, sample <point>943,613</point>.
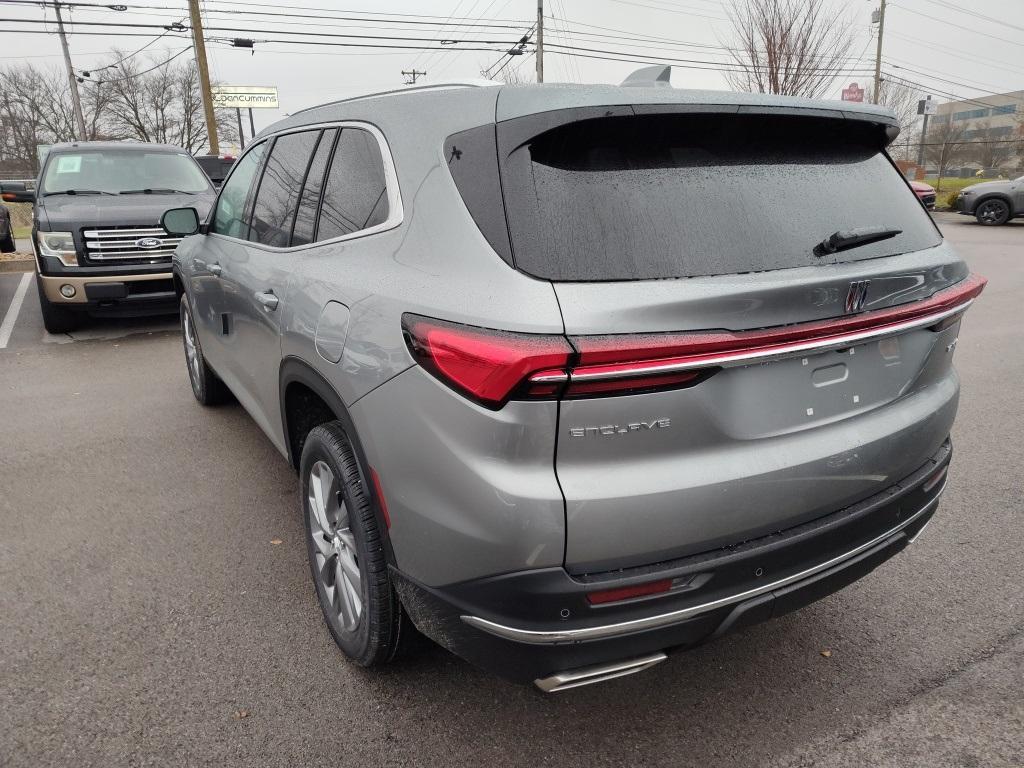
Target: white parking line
<point>12,312</point>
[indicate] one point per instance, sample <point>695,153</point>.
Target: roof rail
<point>474,83</point>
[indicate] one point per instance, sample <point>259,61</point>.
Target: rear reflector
<point>380,497</point>
<point>492,367</point>
<point>628,593</point>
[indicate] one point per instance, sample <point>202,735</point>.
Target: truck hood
<point>67,213</point>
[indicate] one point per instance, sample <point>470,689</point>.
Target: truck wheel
<point>346,552</point>
<point>206,385</point>
<point>992,212</point>
<point>56,319</point>
<point>7,244</point>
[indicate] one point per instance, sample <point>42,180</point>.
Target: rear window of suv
<point>684,195</point>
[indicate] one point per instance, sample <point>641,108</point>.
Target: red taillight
<point>486,365</point>
<point>492,366</point>
<point>628,593</point>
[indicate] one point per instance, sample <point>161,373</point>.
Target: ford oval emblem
<point>148,243</point>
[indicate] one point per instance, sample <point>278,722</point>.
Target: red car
<point>925,193</point>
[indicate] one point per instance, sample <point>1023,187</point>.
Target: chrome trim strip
<point>123,233</point>
<point>548,378</point>
<point>729,359</point>
<point>551,637</point>
<point>574,678</point>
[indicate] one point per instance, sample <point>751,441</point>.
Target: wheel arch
<point>304,390</point>
<point>996,195</point>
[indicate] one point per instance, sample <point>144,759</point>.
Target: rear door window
<point>684,195</point>
<point>309,202</point>
<point>355,196</point>
<point>277,200</point>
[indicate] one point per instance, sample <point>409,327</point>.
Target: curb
<point>18,265</point>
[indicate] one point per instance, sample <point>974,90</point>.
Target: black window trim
<point>396,213</point>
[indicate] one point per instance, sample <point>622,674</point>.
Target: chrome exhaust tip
<point>575,678</point>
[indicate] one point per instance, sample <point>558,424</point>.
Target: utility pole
<point>540,41</point>
<point>204,75</point>
<point>878,53</point>
<point>76,100</point>
<point>413,74</point>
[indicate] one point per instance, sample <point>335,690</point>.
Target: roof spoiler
<point>649,77</point>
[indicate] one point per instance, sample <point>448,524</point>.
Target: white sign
<point>927,107</point>
<point>245,96</point>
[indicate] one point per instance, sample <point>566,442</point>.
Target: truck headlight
<point>60,245</point>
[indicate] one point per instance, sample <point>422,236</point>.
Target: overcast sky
<point>973,54</point>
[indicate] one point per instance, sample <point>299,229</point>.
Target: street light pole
<point>199,45</point>
<point>540,41</point>
<point>76,99</point>
<point>878,53</point>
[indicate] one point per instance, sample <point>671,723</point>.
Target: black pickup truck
<point>96,233</point>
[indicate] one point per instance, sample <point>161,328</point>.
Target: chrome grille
<point>121,244</point>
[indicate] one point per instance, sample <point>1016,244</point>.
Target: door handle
<point>215,269</point>
<point>268,300</point>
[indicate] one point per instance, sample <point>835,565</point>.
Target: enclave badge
<point>620,429</point>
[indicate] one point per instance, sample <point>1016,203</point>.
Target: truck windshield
<point>116,170</point>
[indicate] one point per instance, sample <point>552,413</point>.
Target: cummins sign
<point>245,96</point>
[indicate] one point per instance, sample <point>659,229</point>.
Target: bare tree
<point>946,144</point>
<point>35,109</point>
<point>990,148</point>
<point>790,47</point>
<point>150,101</point>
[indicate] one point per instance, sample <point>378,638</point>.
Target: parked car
<point>96,229</point>
<point>925,193</point>
<point>216,167</point>
<point>992,202</point>
<point>6,231</point>
<point>562,390</point>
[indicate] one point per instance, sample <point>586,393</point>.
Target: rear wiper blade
<point>155,191</point>
<point>77,192</point>
<point>853,238</point>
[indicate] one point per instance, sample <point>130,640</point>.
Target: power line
<point>974,14</point>
<point>961,27</point>
<point>133,74</point>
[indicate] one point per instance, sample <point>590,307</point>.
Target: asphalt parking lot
<point>148,618</point>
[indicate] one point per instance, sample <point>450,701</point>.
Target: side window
<point>278,196</point>
<point>355,195</point>
<point>228,219</point>
<point>305,219</point>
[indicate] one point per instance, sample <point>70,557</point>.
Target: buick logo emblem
<point>148,243</point>
<point>857,295</point>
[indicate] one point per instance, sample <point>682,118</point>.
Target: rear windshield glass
<point>667,196</point>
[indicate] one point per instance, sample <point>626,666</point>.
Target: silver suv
<point>574,376</point>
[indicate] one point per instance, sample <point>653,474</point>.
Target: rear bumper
<point>531,626</point>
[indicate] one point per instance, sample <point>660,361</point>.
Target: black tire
<point>206,385</point>
<point>374,640</point>
<point>56,319</point>
<point>7,244</point>
<point>992,212</point>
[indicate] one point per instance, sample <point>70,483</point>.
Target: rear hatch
<point>674,233</point>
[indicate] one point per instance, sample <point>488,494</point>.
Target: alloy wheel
<point>991,211</point>
<point>191,350</point>
<point>337,562</point>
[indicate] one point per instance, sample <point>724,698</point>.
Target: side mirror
<point>181,222</point>
<point>17,192</point>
